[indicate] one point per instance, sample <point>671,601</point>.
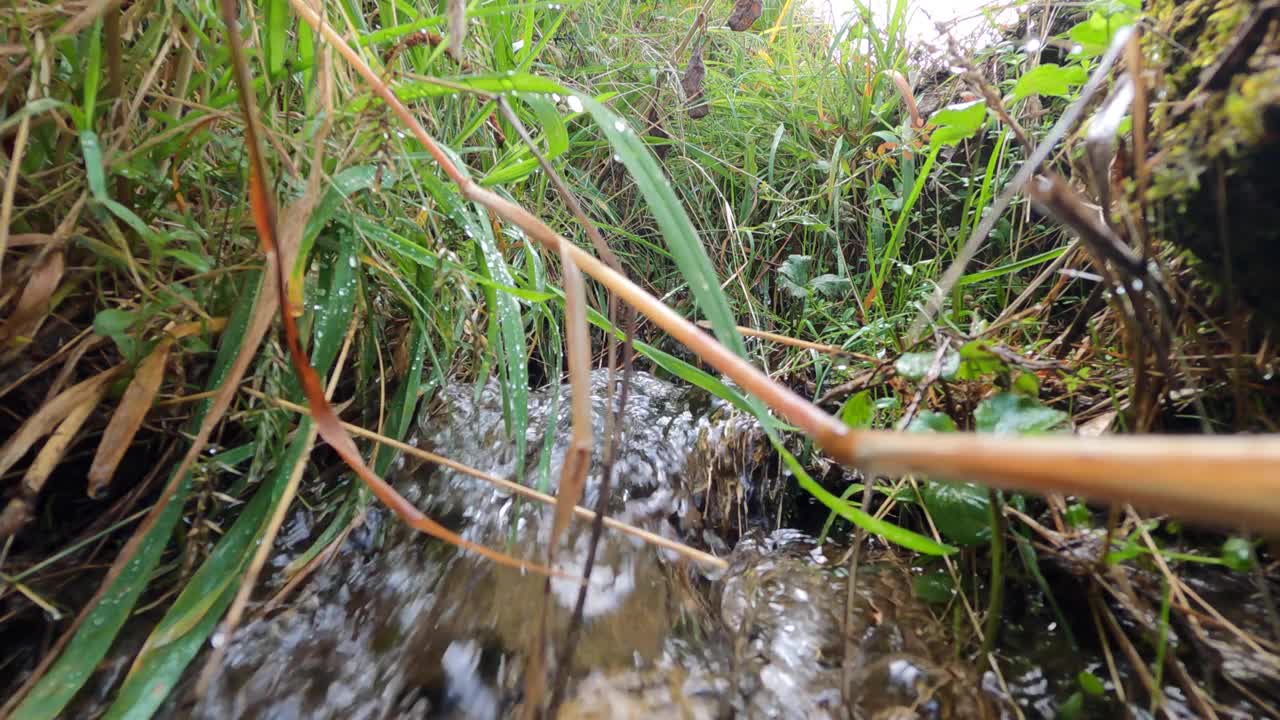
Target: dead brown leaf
<point>655,130</point>
<point>33,305</point>
<point>744,15</point>
<point>18,511</point>
<point>50,415</point>
<point>694,75</point>
<point>128,417</point>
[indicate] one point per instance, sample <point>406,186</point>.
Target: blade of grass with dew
<point>345,184</point>
<point>195,613</point>
<point>94,637</point>
<point>515,354</point>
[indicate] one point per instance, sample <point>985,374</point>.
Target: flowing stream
<point>407,627</point>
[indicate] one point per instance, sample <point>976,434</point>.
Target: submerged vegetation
<point>852,213</point>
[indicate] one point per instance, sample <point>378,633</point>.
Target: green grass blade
<point>681,238</point>
<point>278,17</point>
<point>195,613</point>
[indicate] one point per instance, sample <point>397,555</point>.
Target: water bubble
<point>218,639</point>
<point>1137,284</point>
<point>619,125</point>
<point>1032,45</point>
<point>1077,49</point>
<point>617,157</point>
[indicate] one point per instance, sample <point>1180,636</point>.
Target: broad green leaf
<point>113,321</point>
<point>957,122</point>
<point>1093,36</point>
<point>1008,413</point>
<point>1050,79</point>
<point>977,360</point>
<point>915,366</point>
<point>831,286</point>
<point>859,410</point>
<point>1026,383</point>
<point>930,421</point>
<point>1091,684</point>
<point>935,587</point>
<point>793,275</point>
<point>960,510</point>
<point>1237,554</point>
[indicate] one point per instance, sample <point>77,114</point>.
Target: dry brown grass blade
<point>1187,467</point>
<point>327,423</point>
<point>457,11</point>
<point>18,511</point>
<point>1231,480</point>
<point>49,415</point>
<point>34,303</point>
<point>573,474</point>
<point>128,416</point>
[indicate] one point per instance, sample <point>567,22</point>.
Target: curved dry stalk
<point>577,461</point>
<point>1234,480</point>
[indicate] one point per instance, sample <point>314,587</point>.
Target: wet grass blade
<point>195,614</point>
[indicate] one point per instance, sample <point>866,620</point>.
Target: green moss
<point>1207,140</point>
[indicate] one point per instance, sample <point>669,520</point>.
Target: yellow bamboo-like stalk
<point>1223,480</point>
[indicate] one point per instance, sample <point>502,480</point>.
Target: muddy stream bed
<point>398,625</point>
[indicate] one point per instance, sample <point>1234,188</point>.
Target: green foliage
<point>1237,554</point>
<point>858,411</point>
<point>960,510</point>
<point>936,587</point>
<point>930,421</point>
<point>1050,79</point>
<point>1007,413</point>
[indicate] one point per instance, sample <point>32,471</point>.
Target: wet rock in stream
<point>416,629</point>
